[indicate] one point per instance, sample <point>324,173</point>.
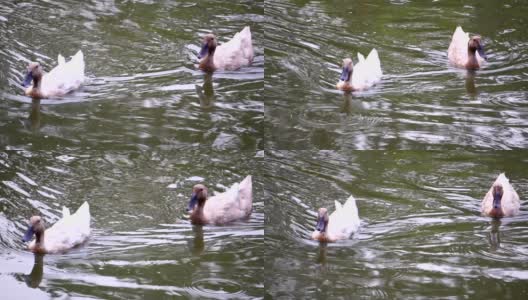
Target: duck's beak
<point>203,51</point>
<point>497,200</point>
<point>345,75</point>
<point>320,225</point>
<point>27,79</point>
<point>192,203</point>
<point>481,52</point>
<point>29,234</point>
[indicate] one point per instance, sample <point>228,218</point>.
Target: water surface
<point>422,102</point>
<point>142,244</point>
<point>144,90</point>
<point>421,234</point>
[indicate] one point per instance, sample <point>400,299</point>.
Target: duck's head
<point>496,211</point>
<point>36,227</point>
<point>475,44</point>
<point>34,73</point>
<point>322,220</point>
<point>199,195</point>
<point>348,67</point>
<point>208,45</point>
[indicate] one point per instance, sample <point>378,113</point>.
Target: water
<point>147,126</point>
<point>132,142</point>
<point>144,91</point>
<point>421,235</point>
<point>142,245</point>
<point>422,102</point>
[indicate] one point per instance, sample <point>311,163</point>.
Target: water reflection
<point>470,83</point>
<point>351,105</point>
<point>35,115</point>
<point>206,92</point>
<point>494,234</point>
<point>34,278</point>
<point>197,244</point>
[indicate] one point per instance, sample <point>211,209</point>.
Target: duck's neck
<point>34,90</point>
<point>207,63</point>
<point>39,243</point>
<point>472,62</point>
<point>197,216</point>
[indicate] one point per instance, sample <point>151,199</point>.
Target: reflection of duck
<point>471,89</point>
<point>501,200</point>
<point>206,92</point>
<point>65,234</point>
<point>494,235</point>
<point>351,105</point>
<point>232,55</point>
<point>64,78</point>
<point>340,225</point>
<point>35,277</point>
<point>466,52</point>
<point>233,204</point>
<point>363,75</point>
<point>198,244</point>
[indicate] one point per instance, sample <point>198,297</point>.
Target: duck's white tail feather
<point>61,60</point>
<point>65,77</point>
<point>338,205</point>
<point>235,53</point>
<point>65,212</point>
<point>367,72</point>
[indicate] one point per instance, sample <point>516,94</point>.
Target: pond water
<point>421,234</point>
<point>142,244</point>
<point>144,91</point>
<point>418,151</point>
<point>422,102</point>
<point>132,142</point>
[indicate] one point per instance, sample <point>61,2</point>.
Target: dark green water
<point>422,102</point>
<point>418,151</point>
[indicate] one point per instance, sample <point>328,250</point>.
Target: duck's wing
<point>457,51</point>
<point>338,205</point>
<point>65,77</point>
<point>233,204</point>
<point>245,195</point>
<point>510,199</point>
<point>236,52</point>
<point>345,221</point>
<point>367,72</point>
<point>69,231</point>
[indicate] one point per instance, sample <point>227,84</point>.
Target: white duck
<point>501,200</point>
<point>466,52</point>
<point>340,225</point>
<point>65,234</point>
<point>233,204</point>
<point>363,75</point>
<point>236,53</point>
<point>64,78</point>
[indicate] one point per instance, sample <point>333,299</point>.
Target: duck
<point>64,78</point>
<point>230,56</point>
<point>233,204</point>
<point>68,232</point>
<point>366,73</point>
<point>501,200</point>
<point>466,52</point>
<point>342,223</point>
